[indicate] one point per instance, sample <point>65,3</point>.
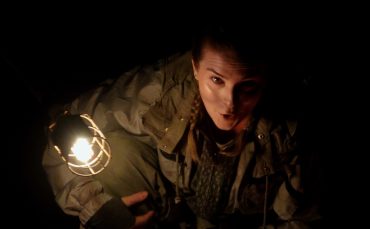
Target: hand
<point>138,197</point>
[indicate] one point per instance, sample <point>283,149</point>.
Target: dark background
<point>48,59</point>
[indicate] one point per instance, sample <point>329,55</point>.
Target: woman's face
<point>228,93</point>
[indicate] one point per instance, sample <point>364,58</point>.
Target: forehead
<point>225,62</point>
<point>219,54</point>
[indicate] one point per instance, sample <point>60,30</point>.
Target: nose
<point>228,101</point>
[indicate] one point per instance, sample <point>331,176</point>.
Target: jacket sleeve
<point>76,195</point>
<point>297,202</point>
<point>113,106</point>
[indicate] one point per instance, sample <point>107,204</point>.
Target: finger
<point>143,219</point>
<point>134,198</point>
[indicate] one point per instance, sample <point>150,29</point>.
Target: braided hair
<point>195,116</point>
<point>249,50</point>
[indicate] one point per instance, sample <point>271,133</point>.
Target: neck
<point>223,136</point>
<point>218,135</point>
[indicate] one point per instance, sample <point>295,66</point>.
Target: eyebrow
<point>214,71</point>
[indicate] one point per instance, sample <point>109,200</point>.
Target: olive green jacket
<point>153,103</point>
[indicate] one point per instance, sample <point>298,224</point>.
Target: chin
<point>225,126</point>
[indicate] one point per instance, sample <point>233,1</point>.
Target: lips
<point>228,116</point>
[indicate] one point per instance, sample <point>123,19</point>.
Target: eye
<point>216,80</point>
<point>249,87</point>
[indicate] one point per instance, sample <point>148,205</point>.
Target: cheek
<point>248,103</point>
<point>208,95</point>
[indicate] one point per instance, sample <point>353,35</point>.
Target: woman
<point>195,143</point>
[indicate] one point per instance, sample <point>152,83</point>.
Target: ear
<point>195,71</point>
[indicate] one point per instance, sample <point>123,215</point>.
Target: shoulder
<point>269,126</point>
<point>165,72</point>
<point>176,70</point>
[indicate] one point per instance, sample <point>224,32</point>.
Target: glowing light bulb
<point>80,143</point>
<point>82,150</point>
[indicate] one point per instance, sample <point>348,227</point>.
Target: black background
<point>50,57</point>
<point>47,64</point>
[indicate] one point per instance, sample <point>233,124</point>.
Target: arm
<point>117,107</point>
<point>84,197</point>
<point>112,107</point>
<point>297,202</point>
<point>76,195</point>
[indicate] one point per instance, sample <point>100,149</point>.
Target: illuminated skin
<point>228,93</point>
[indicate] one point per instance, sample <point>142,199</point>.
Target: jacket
<point>153,104</point>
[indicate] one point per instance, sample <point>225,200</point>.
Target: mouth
<point>228,116</point>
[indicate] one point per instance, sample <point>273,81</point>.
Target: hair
<point>250,49</point>
<point>195,116</point>
<point>250,46</point>
<point>262,52</point>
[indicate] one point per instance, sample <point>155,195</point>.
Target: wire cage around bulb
<point>81,144</point>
